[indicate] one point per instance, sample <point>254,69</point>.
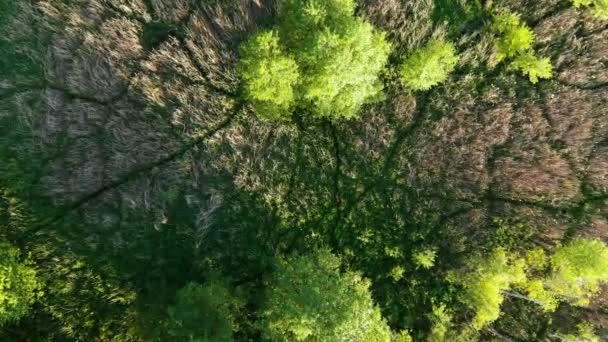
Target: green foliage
<point>483,281</point>
<point>309,299</point>
<point>459,13</point>
<point>338,56</point>
<point>269,75</point>
<point>403,336</point>
<point>515,37</point>
<point>578,269</point>
<point>207,312</point>
<point>342,71</point>
<point>515,41</point>
<point>429,65</point>
<point>533,66</point>
<point>19,285</point>
<point>585,333</point>
<point>425,258</point>
<point>441,321</point>
<point>599,8</point>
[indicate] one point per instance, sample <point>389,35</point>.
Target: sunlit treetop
<point>308,298</point>
<point>533,66</point>
<point>484,279</point>
<point>338,58</point>
<point>599,8</point>
<point>19,286</point>
<point>515,37</point>
<point>585,332</point>
<point>270,75</point>
<point>578,269</point>
<point>428,66</point>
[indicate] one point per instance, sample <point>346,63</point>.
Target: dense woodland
<point>303,170</point>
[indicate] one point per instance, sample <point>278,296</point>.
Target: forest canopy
<point>303,170</point>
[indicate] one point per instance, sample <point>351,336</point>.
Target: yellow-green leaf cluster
<point>599,8</point>
<point>425,258</point>
<point>515,40</point>
<point>269,75</point>
<point>429,65</point>
<point>485,279</point>
<point>19,285</point>
<point>533,66</point>
<point>578,268</point>
<point>321,59</point>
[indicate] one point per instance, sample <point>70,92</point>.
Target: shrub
<point>429,66</point>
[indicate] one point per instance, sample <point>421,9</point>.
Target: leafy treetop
<point>309,299</point>
<point>577,269</point>
<point>338,58</point>
<point>515,41</point>
<point>269,74</point>
<point>205,312</point>
<point>599,8</point>
<point>429,65</point>
<point>19,286</point>
<point>484,281</point>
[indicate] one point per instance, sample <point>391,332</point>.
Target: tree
<point>515,40</point>
<point>270,75</point>
<point>205,312</point>
<point>515,37</point>
<point>485,279</point>
<point>441,323</point>
<point>577,269</point>
<point>585,332</point>
<point>338,57</point>
<point>599,8</point>
<point>429,65</point>
<point>533,66</point>
<point>425,258</point>
<point>309,299</point>
<point>19,286</point>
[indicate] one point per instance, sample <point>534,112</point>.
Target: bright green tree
<point>577,270</point>
<point>429,65</point>
<point>309,299</point>
<point>338,56</point>
<point>533,66</point>
<point>515,40</point>
<point>19,285</point>
<point>599,8</point>
<point>269,75</point>
<point>484,279</point>
<point>204,313</point>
